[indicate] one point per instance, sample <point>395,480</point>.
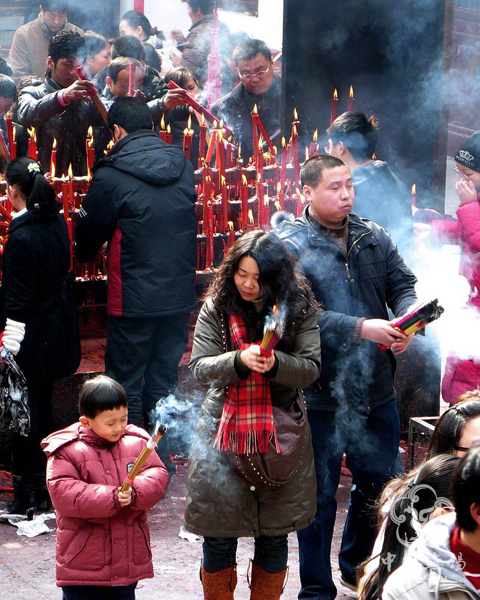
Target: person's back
<point>87,463</point>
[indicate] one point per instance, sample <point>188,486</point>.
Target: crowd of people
<point>277,422</point>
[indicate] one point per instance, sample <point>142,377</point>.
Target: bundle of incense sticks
<point>142,457</point>
<point>418,318</point>
<point>273,331</point>
<point>95,98</point>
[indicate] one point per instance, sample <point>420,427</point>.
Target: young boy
<point>103,540</point>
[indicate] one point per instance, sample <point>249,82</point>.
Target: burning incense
<point>273,331</point>
<point>199,108</point>
<point>142,457</point>
<point>418,318</point>
<point>95,99</point>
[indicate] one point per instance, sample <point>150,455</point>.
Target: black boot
<point>24,499</point>
<point>41,491</point>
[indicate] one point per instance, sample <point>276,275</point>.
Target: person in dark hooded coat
<point>142,202</point>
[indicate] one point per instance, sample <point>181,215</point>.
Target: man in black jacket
<point>258,87</point>
<point>142,202</point>
<point>60,108</point>
<point>356,272</point>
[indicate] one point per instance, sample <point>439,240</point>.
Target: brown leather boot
<point>267,586</point>
<point>219,585</point>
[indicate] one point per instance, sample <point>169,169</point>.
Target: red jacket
<point>98,542</point>
<point>463,375</point>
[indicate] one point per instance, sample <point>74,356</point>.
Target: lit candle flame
<point>162,123</point>
<point>169,129</point>
<point>277,205</point>
<point>54,145</point>
<point>351,92</point>
<point>70,171</point>
<point>307,153</point>
<point>14,133</point>
<point>295,133</point>
<point>335,94</point>
<point>284,143</point>
<point>32,133</point>
<point>279,187</point>
<point>189,123</point>
<point>414,189</point>
<point>250,216</point>
<point>221,123</point>
<point>255,111</point>
<point>274,309</point>
<point>244,180</point>
<point>295,114</point>
<point>230,225</point>
<point>90,132</point>
<point>215,124</point>
<point>223,181</point>
<point>315,135</point>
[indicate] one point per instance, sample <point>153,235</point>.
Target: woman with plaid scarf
<point>257,273</point>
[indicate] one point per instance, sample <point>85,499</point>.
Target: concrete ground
<point>27,566</point>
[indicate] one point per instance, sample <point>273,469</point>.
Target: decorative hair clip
<point>33,168</point>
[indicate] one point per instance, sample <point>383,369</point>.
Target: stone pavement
<point>27,566</point>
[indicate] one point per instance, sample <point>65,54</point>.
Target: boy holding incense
<point>103,540</point>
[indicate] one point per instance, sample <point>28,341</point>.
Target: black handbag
<point>272,468</point>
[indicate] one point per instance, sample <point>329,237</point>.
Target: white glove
<point>13,335</point>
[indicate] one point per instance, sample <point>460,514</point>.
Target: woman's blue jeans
<point>271,553</point>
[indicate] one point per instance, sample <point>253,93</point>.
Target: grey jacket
<point>431,570</point>
<point>219,503</point>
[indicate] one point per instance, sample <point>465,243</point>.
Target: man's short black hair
<point>57,5</point>
<point>65,44</point>
<point>358,132</point>
<point>130,113</point>
<point>100,394</point>
<point>205,6</point>
<point>8,89</point>
<point>466,488</point>
<point>128,45</point>
<point>249,49</point>
<point>312,171</point>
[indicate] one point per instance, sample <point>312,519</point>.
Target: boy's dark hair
<point>312,171</point>
<point>60,5</point>
<point>65,44</point>
<point>122,63</point>
<point>180,76</point>
<point>137,19</point>
<point>132,114</point>
<point>94,43</point>
<point>358,132</point>
<point>205,6</point>
<point>128,45</point>
<point>249,49</point>
<point>8,89</point>
<point>466,488</point>
<point>99,394</point>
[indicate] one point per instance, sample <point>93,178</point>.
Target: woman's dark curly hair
<point>279,281</point>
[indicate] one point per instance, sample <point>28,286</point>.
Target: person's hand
<point>139,94</point>
<point>174,98</point>
<point>80,90</point>
<point>401,345</point>
<point>124,498</point>
<point>175,59</point>
<point>178,36</point>
<point>465,190</point>
<point>381,332</point>
<point>253,359</point>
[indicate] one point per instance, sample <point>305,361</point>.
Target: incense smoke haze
<point>180,417</point>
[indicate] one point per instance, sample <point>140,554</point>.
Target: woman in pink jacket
<point>103,540</point>
<point>463,375</point>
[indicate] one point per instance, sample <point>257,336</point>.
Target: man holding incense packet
<point>103,546</point>
<point>356,272</point>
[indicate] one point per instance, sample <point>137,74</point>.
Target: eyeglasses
<point>250,76</point>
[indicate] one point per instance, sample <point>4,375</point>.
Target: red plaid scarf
<point>247,424</point>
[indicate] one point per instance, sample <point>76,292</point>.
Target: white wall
<point>172,14</point>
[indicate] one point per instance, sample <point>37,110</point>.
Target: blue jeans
<point>98,592</point>
<point>271,553</point>
<point>370,442</point>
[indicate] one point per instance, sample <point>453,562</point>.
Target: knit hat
<point>468,154</point>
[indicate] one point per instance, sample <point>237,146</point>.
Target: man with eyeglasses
<point>259,87</point>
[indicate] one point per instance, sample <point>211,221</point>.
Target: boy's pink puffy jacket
<point>463,375</point>
<point>98,542</point>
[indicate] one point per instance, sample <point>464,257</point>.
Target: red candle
<point>244,197</point>
<point>334,107</point>
<point>131,75</point>
<point>188,138</point>
<point>224,196</point>
<point>280,195</point>
<point>169,136</point>
<point>220,156</point>
<point>351,100</point>
<point>299,202</point>
<point>53,159</point>
<point>313,144</point>
<point>231,235</point>
<point>211,147</point>
<point>32,144</point>
<point>261,202</point>
<point>255,134</point>
<point>163,133</point>
<point>259,161</point>
<point>13,147</point>
<point>296,156</point>
<point>414,194</point>
<point>202,142</point>
<point>10,136</point>
<point>65,205</point>
<point>283,172</point>
<point>230,163</point>
<point>209,237</point>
